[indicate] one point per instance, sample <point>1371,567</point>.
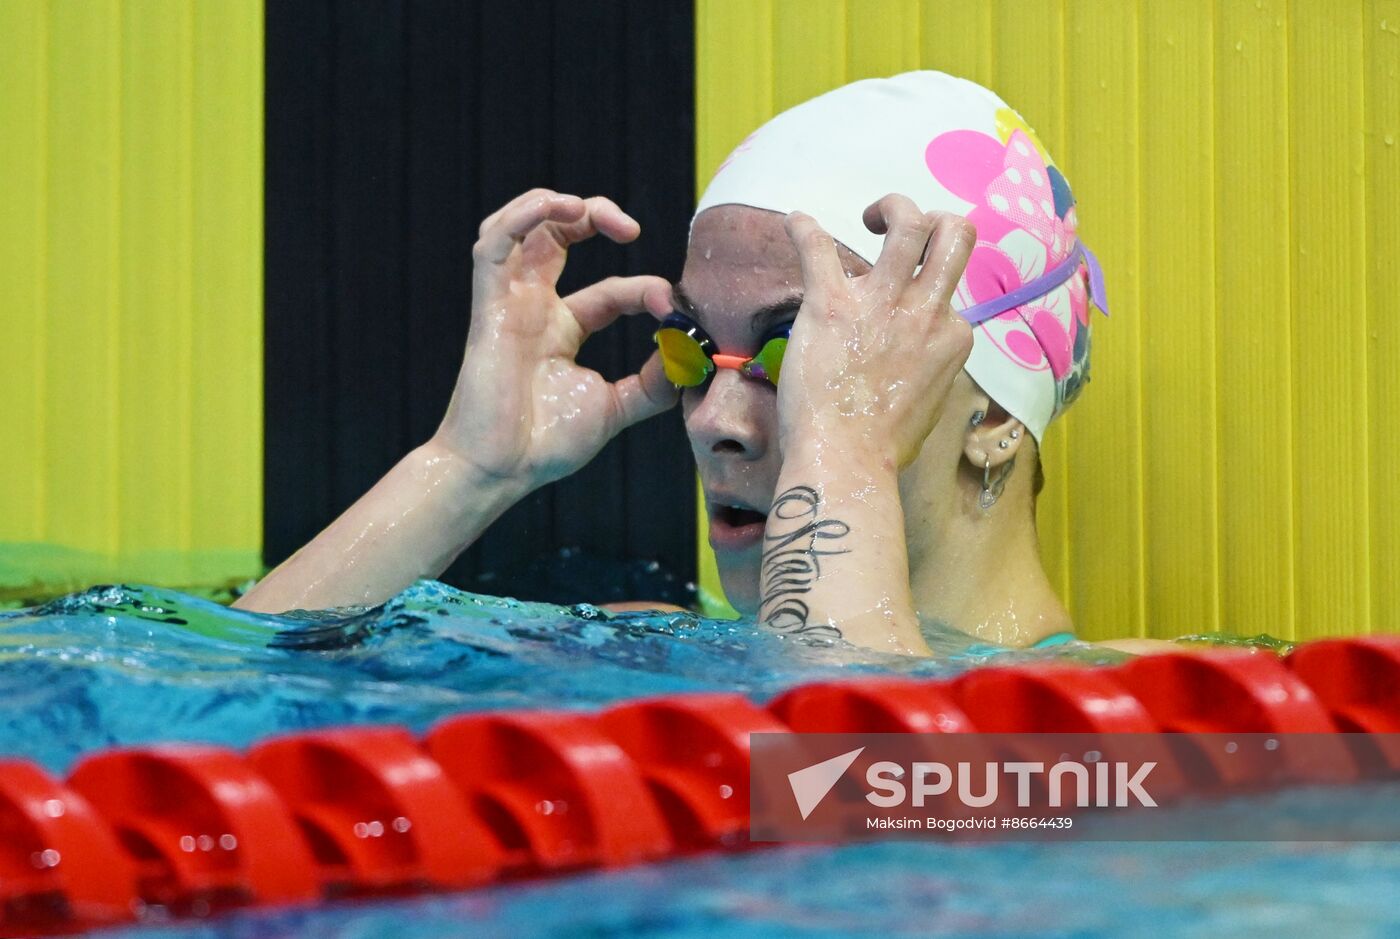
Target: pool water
<point>130,665</point>
<point>906,889</point>
<point>127,665</point>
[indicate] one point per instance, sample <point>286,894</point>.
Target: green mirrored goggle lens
<point>682,357</point>
<point>769,361</point>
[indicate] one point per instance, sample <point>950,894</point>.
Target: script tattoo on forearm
<point>793,545</point>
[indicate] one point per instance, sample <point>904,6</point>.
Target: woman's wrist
<point>834,562</point>
<point>831,456</point>
<point>411,524</point>
<point>458,491</point>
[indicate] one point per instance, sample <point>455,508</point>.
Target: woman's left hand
<point>869,364</point>
<point>871,358</point>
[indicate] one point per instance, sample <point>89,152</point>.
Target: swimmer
<point>884,305</point>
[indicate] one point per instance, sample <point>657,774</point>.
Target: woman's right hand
<point>523,410</point>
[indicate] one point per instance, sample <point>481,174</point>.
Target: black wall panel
<point>393,128</point>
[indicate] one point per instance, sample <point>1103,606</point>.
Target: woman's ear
<point>993,436</point>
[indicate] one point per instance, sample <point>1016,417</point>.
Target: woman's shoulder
<point>1136,646</point>
<point>646,606</point>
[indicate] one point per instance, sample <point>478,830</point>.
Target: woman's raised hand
<point>871,358</point>
<point>523,409</point>
<point>523,412</point>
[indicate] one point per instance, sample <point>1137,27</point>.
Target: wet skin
<point>742,279</point>
<point>524,413</point>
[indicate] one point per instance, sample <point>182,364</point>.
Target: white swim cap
<point>949,145</point>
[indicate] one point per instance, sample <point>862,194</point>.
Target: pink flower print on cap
<point>992,273</point>
<point>1020,236</point>
<point>1021,192</point>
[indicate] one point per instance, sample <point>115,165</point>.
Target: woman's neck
<point>982,574</point>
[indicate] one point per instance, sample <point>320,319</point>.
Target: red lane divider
<point>203,830</point>
<point>379,814</point>
<point>1358,681</point>
<point>693,751</point>
<point>61,867</point>
<point>869,706</point>
<point>1246,694</point>
<point>1068,700</point>
<point>1050,700</point>
<point>872,706</point>
<point>370,809</point>
<point>555,791</point>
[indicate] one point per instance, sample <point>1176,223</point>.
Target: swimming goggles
<point>689,356</point>
<point>1040,286</point>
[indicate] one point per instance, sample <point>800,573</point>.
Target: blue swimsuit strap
<point>982,648</point>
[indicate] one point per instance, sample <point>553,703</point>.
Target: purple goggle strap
<point>1057,275</point>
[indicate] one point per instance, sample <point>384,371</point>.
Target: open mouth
<point>735,527</point>
<point>737,516</point>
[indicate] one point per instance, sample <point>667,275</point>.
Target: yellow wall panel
<point>80,322</point>
<point>1177,277</point>
<point>1381,34</point>
<point>130,293</point>
<point>883,37</point>
<point>1103,160</point>
<point>23,144</point>
<point>1252,319</point>
<point>226,255</point>
<point>1237,166</point>
<point>1329,402</point>
<point>957,38</point>
<point>812,32</point>
<point>154,277</point>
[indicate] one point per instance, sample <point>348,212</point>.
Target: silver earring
<point>1015,435</point>
<point>977,418</point>
<point>987,498</point>
<point>1003,444</point>
<point>993,488</point>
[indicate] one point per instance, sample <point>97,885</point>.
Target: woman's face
<point>742,282</point>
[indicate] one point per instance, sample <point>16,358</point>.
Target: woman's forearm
<point>415,521</point>
<point>834,557</point>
